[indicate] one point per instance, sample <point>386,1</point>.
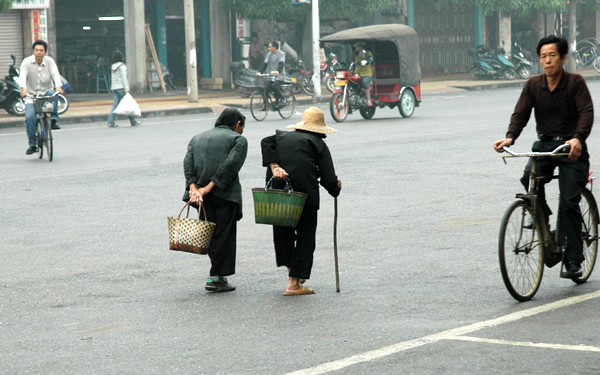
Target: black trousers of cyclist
<point>275,87</point>
<point>573,176</point>
<point>294,247</point>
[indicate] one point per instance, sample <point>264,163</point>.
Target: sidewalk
<point>85,108</point>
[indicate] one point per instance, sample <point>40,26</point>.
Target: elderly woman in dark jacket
<point>211,167</point>
<point>304,158</point>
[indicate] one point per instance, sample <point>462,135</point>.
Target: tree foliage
<point>5,5</point>
<point>517,7</point>
<point>285,10</point>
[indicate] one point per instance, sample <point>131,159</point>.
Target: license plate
<point>340,83</point>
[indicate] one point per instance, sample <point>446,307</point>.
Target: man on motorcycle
<point>363,60</point>
<point>274,62</point>
<point>39,73</point>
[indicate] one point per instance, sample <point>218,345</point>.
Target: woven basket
<point>278,207</point>
<point>190,235</point>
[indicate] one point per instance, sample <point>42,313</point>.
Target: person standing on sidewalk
<point>119,87</point>
<point>304,158</point>
<point>39,74</point>
<point>564,114</point>
<point>211,166</point>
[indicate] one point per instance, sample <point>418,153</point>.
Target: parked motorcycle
<point>489,66</point>
<point>10,92</point>
<point>523,66</point>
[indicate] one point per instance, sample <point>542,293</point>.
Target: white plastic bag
<point>128,107</point>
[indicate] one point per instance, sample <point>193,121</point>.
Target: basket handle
<point>288,185</point>
<point>201,208</point>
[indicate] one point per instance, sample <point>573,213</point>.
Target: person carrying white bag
<point>124,103</point>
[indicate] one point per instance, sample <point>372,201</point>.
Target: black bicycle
<point>527,242</point>
<point>44,106</point>
<point>261,101</point>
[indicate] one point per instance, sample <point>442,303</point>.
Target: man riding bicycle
<point>363,60</point>
<point>564,114</point>
<point>275,61</point>
<point>39,74</point>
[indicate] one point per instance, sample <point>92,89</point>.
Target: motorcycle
<point>396,72</point>
<point>10,92</point>
<point>486,65</point>
<point>523,66</point>
<point>333,65</point>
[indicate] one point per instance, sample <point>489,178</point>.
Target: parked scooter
<point>489,66</point>
<point>523,66</point>
<point>10,92</point>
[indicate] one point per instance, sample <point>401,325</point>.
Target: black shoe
<point>31,150</point>
<point>53,125</point>
<point>218,284</point>
<point>572,270</point>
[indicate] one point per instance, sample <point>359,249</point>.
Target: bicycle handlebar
<point>513,154</point>
<point>38,96</point>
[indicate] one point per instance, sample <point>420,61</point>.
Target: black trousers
<point>573,176</point>
<point>294,247</point>
<point>275,87</point>
<point>222,249</point>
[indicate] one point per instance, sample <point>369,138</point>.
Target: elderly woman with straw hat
<point>302,157</point>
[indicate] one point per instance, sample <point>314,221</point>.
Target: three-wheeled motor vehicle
<point>396,71</point>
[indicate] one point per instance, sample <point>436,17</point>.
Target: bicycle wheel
<point>520,252</point>
<point>48,138</point>
<point>597,64</point>
<point>589,214</point>
<point>63,104</point>
<point>288,110</point>
<point>39,137</point>
<point>259,105</point>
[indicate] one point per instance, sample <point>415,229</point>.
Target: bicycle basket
<point>44,105</point>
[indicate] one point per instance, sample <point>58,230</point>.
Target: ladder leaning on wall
<point>152,57</point>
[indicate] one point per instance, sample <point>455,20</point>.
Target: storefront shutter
<point>11,40</point>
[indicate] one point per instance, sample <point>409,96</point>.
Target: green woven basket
<point>278,207</point>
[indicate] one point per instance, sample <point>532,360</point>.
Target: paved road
<point>88,285</point>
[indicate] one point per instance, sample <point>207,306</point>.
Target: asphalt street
<point>89,286</point>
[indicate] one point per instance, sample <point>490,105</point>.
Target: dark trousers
<point>294,247</point>
<point>573,176</point>
<point>222,249</point>
<point>275,87</point>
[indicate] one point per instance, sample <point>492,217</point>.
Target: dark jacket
<point>567,111</point>
<point>306,158</point>
<point>216,155</point>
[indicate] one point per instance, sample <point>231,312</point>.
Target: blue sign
<point>301,1</point>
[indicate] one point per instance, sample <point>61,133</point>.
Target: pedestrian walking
<point>302,157</point>
<point>211,166</point>
<point>119,87</point>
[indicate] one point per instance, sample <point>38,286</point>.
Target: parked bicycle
<point>44,106</point>
<point>261,101</point>
<point>586,54</point>
<point>527,242</point>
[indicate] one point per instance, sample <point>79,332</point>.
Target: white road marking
<point>445,335</point>
<point>584,348</point>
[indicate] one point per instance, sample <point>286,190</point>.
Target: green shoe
<point>218,284</point>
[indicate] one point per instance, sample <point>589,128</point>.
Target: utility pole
<point>316,49</point>
<point>190,51</point>
<point>572,7</point>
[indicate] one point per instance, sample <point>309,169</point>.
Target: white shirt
<point>39,77</point>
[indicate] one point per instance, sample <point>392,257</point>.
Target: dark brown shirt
<point>567,111</point>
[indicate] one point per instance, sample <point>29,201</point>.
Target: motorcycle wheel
<point>524,72</point>
<point>338,107</point>
<point>475,75</point>
<point>509,74</point>
<point>63,104</point>
<point>597,65</point>
<point>307,86</point>
<point>367,113</point>
<point>330,83</point>
<point>407,104</point>
<point>17,107</point>
<point>296,85</point>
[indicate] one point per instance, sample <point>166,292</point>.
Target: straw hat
<point>313,120</point>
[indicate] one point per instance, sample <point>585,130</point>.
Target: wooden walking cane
<point>337,272</point>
